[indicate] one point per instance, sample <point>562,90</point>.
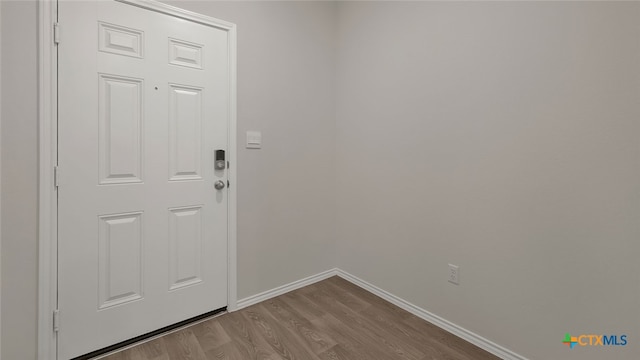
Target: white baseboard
<point>266,295</point>
<point>446,325</point>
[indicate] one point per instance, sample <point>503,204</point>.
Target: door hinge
<point>56,176</point>
<point>56,33</point>
<point>56,320</point>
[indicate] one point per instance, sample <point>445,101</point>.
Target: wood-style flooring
<point>330,320</point>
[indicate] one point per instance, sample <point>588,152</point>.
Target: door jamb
<point>47,152</point>
<point>47,195</point>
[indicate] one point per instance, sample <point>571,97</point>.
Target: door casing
<point>47,151</point>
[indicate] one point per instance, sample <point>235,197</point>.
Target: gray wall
<point>285,89</point>
<point>19,179</point>
<point>0,180</point>
<point>502,137</point>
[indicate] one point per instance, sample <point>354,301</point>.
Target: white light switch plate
<point>254,140</point>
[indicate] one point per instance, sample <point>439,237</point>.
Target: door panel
<point>120,110</point>
<point>120,259</point>
<point>185,127</point>
<point>185,246</point>
<point>143,104</point>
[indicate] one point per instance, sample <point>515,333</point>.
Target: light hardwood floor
<point>330,320</point>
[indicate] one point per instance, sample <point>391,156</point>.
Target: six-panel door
<point>143,104</point>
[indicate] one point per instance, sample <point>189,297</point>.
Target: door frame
<point>47,152</point>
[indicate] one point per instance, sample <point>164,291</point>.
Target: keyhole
<point>156,88</point>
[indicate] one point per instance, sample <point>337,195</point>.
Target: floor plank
<point>286,344</point>
<point>329,320</point>
<point>228,351</point>
<point>298,324</point>
<point>363,329</point>
<point>210,335</point>
<point>184,345</point>
<point>369,297</point>
<point>250,344</point>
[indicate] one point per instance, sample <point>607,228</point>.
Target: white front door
<point>143,105</point>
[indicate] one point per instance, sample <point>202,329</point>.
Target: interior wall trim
<point>467,335</point>
<point>266,295</point>
<point>459,331</point>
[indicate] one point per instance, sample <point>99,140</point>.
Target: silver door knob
<point>219,185</point>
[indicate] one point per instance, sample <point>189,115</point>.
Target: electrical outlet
<point>454,274</point>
